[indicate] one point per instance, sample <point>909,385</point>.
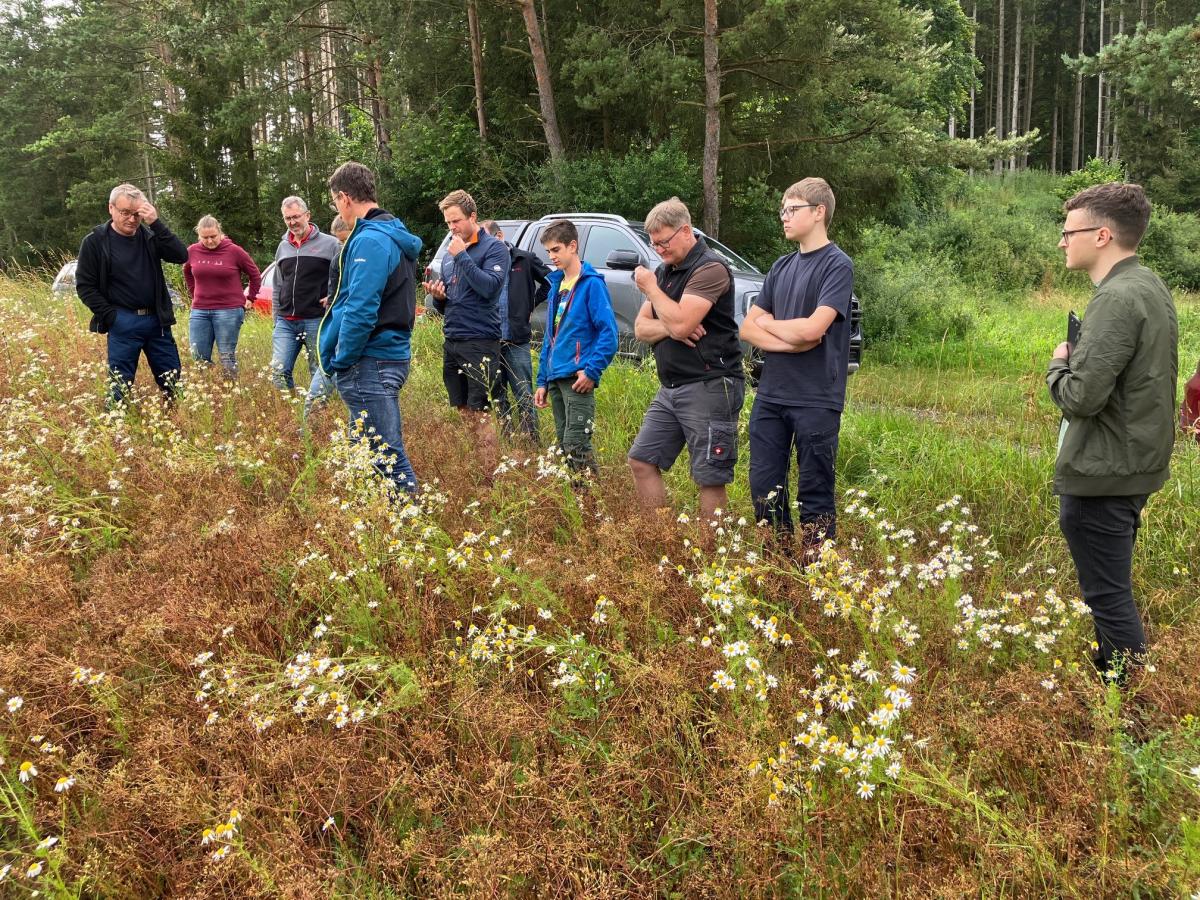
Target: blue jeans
<point>221,325</point>
<point>516,373</point>
<point>289,336</point>
<point>129,336</point>
<point>775,432</point>
<point>371,389</point>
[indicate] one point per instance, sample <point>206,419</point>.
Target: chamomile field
<point>229,668</point>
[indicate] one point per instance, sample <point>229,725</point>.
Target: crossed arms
<point>765,332</point>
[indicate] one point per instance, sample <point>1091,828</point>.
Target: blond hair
<point>813,190</point>
<point>671,213</point>
<point>209,222</point>
<point>462,200</point>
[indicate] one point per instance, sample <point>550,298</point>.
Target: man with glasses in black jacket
<point>120,279</point>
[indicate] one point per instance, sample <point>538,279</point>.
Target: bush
<point>1171,248</point>
<point>994,248</point>
<point>907,294</point>
<point>1096,171</point>
<point>626,185</point>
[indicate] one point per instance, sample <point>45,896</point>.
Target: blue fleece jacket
<point>587,334</point>
<point>474,280</point>
<point>367,315</point>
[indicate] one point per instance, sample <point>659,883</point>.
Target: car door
<point>601,240</point>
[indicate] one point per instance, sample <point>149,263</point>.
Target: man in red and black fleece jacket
<point>299,295</point>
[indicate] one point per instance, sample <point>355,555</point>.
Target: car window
<point>735,261</point>
<point>536,245</point>
<point>603,240</point>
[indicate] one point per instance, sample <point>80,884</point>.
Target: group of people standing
<point>350,301</point>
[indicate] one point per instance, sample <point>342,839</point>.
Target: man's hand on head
<point>148,213</point>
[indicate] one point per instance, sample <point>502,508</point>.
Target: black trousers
<point>776,432</point>
<point>1101,532</point>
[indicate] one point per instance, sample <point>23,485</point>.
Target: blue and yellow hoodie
<point>374,307</point>
<point>587,332</point>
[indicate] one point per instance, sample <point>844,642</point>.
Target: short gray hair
<point>338,225</point>
<point>294,201</point>
<point>128,191</point>
<point>209,222</point>
<point>671,213</point>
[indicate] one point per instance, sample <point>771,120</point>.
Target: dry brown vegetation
<point>469,779</point>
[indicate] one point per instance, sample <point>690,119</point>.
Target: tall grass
<point>263,680</point>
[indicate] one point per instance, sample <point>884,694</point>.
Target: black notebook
<point>1073,326</point>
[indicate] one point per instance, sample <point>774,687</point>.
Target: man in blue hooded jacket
<point>364,340</point>
<point>580,342</point>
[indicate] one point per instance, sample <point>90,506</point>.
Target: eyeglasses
<point>298,217</point>
<point>787,212</point>
<point>663,245</point>
<point>1066,235</point>
<point>125,213</point>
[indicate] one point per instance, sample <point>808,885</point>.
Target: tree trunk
<point>541,72</point>
<point>1028,117</point>
<point>477,64</point>
<point>308,101</point>
<point>379,110</point>
<point>1054,136</point>
<point>1077,137</point>
<point>330,114</point>
<point>1014,119</point>
<point>974,28</point>
<point>998,166</point>
<point>712,121</point>
<point>1100,93</point>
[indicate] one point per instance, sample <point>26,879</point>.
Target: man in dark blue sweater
<point>801,320</point>
<point>120,279</point>
<point>474,273</point>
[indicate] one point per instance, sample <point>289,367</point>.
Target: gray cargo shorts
<point>703,416</point>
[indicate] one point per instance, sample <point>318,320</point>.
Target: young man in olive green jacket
<point>1116,389</point>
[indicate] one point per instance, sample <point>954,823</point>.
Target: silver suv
<point>614,246</point>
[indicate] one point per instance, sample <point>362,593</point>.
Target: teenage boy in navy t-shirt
<point>801,321</point>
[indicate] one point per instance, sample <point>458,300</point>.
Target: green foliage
<point>1172,247</point>
<point>627,185</point>
<point>1095,171</point>
<point>908,295</point>
<point>1158,75</point>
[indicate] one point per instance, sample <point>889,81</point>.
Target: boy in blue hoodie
<point>365,336</point>
<point>579,343</point>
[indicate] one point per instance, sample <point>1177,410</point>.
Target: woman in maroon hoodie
<point>213,273</point>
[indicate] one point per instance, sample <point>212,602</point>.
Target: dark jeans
<point>775,431</point>
<point>516,374</point>
<point>131,335</point>
<point>371,389</point>
<point>1101,532</point>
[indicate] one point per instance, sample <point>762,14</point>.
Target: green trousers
<point>574,415</point>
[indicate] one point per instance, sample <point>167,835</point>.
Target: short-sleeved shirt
<point>709,281</point>
<point>796,285</point>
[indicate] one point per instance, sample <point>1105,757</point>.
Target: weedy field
<point>229,669</point>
